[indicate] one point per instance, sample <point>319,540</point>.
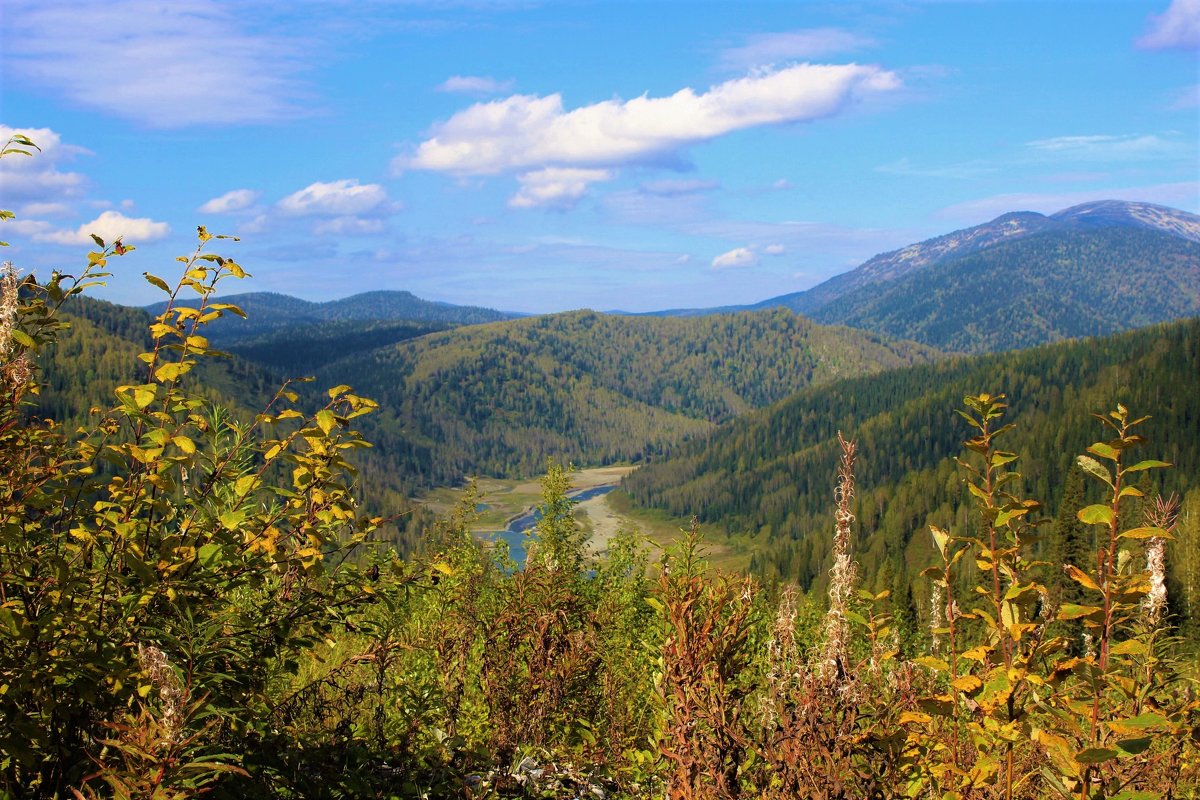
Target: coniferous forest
<point>971,577</point>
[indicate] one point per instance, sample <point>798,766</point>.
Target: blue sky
<point>546,156</point>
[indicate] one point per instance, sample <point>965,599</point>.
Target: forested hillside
<point>1040,288</point>
<point>271,312</point>
<point>99,352</point>
<point>767,474</point>
<point>590,388</point>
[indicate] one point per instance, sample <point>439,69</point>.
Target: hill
<point>270,312</point>
<point>1007,228</point>
<point>1050,286</point>
<point>768,474</point>
<point>590,388</point>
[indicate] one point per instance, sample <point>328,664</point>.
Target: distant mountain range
<point>269,312</point>
<point>1020,280</point>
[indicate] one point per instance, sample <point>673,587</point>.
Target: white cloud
<point>736,258</point>
<point>555,187</point>
<point>474,84</point>
<point>1127,147</point>
<point>37,178</point>
<point>230,202</point>
<point>1185,195</point>
<point>774,249</point>
<point>1177,28</point>
<point>164,65</point>
<point>765,49</point>
<point>109,226</point>
<point>336,199</point>
<point>529,132</point>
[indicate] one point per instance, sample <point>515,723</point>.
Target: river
<point>515,534</point>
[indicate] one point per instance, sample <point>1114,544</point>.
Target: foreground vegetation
<point>193,602</point>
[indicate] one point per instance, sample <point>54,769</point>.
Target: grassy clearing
<point>600,517</point>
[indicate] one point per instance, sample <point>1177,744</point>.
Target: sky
<point>539,157</point>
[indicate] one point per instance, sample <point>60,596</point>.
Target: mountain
<point>268,311</point>
<point>898,263</point>
<point>768,475</point>
<point>1119,213</point>
<point>1023,279</point>
<point>589,388</point>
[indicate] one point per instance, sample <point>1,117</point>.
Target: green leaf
<point>208,553</point>
<point>1095,755</point>
<point>1148,464</point>
<point>1147,532</point>
<point>1103,450</point>
<point>1139,724</point>
<point>1097,514</point>
<point>22,338</point>
<point>1074,611</point>
<point>231,519</point>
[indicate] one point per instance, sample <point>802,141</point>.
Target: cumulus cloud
<point>525,132</point>
<point>765,49</point>
<point>337,198</point>
<point>736,258</point>
<point>774,249</point>
<point>109,226</point>
<point>39,179</point>
<point>336,208</point>
<point>474,84</point>
<point>1177,28</point>
<point>555,187</point>
<point>230,202</point>
<point>165,65</point>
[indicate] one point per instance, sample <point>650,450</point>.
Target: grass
<point>506,499</point>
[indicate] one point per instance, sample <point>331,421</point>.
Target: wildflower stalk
<point>843,573</point>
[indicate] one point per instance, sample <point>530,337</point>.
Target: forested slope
<point>768,473</point>
<point>590,388</point>
<point>1041,288</point>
